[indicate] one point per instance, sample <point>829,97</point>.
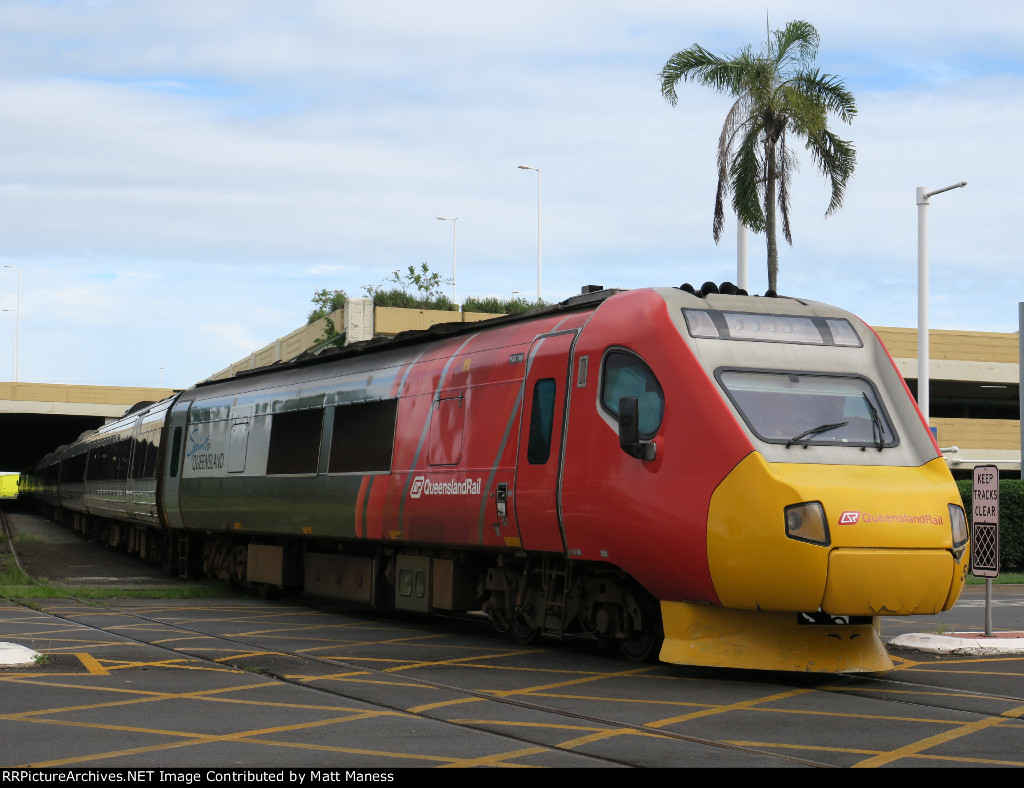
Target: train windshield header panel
<point>801,408</point>
<point>757,327</point>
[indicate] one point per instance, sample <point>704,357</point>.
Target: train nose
<point>848,540</point>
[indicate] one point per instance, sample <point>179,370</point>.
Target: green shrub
<point>425,286</point>
<point>500,306</point>
<point>325,302</point>
<point>1011,520</point>
<point>400,298</point>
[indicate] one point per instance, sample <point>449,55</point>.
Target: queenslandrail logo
<point>850,518</point>
<point>423,486</point>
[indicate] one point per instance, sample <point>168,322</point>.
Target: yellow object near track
<point>723,638</point>
<point>888,550</point>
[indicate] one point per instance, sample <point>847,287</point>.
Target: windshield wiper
<point>814,431</point>
<point>877,432</point>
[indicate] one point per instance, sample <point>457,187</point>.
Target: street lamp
<point>537,169</point>
<point>922,294</point>
<point>455,243</point>
<point>14,360</point>
<point>17,324</point>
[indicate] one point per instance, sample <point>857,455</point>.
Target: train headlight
<point>806,522</point>
<point>958,526</point>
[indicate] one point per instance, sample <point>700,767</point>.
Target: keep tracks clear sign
<point>985,522</point>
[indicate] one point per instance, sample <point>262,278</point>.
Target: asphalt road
<point>246,682</point>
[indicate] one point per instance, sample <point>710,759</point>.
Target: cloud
<point>243,154</point>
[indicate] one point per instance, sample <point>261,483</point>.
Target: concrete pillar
<point>358,320</point>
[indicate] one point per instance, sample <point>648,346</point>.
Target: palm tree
<point>779,95</point>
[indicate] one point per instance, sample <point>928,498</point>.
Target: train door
<point>537,492</point>
<point>135,462</point>
<point>172,448</point>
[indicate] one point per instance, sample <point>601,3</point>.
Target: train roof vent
<point>726,288</point>
<point>591,297</point>
<point>587,289</point>
<point>138,406</point>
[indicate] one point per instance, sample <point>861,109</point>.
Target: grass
<point>47,591</point>
<point>1005,578</point>
<point>15,584</point>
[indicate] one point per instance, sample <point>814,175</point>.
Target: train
<point>700,476</point>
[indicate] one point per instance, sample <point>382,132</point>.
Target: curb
<point>963,643</point>
<point>13,654</point>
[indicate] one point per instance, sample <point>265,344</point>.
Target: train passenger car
<point>719,479</point>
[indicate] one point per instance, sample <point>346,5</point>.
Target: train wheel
<point>643,643</point>
<point>642,647</point>
<point>522,633</point>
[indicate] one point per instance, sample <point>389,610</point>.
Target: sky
<point>178,178</point>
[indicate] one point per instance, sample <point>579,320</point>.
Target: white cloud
<point>243,154</point>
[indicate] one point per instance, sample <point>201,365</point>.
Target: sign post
<point>985,532</point>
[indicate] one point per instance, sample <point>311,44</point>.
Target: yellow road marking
<point>455,661</point>
<point>91,665</point>
<point>743,704</point>
<point>941,738</point>
<point>328,676</point>
<point>499,758</point>
<point>197,738</point>
<point>857,751</point>
<point>570,683</point>
<point>442,704</point>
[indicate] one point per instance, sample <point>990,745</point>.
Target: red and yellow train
<point>710,477</point>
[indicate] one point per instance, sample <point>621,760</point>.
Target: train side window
<point>625,375</point>
<point>447,422</point>
<point>175,451</point>
<point>72,469</point>
<point>295,442</point>
<point>149,471</point>
<point>542,418</point>
<point>238,443</point>
<point>363,438</point>
<point>138,467</point>
<point>144,456</point>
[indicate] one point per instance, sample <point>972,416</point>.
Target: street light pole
<point>741,254</point>
<point>923,391</point>
<point>17,325</point>
<point>537,169</point>
<point>455,243</point>
<point>14,361</point>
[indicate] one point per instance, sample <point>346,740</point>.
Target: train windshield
<point>801,408</point>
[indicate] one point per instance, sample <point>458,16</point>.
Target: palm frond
<point>796,43</point>
<point>785,163</point>
<point>829,91</point>
<point>836,159</point>
<point>698,65</point>
<point>746,179</point>
<point>736,119</point>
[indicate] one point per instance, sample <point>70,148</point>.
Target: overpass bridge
<point>35,418</point>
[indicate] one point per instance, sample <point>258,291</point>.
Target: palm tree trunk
<point>769,214</point>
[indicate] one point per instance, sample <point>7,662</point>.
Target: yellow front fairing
<point>890,548</point>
